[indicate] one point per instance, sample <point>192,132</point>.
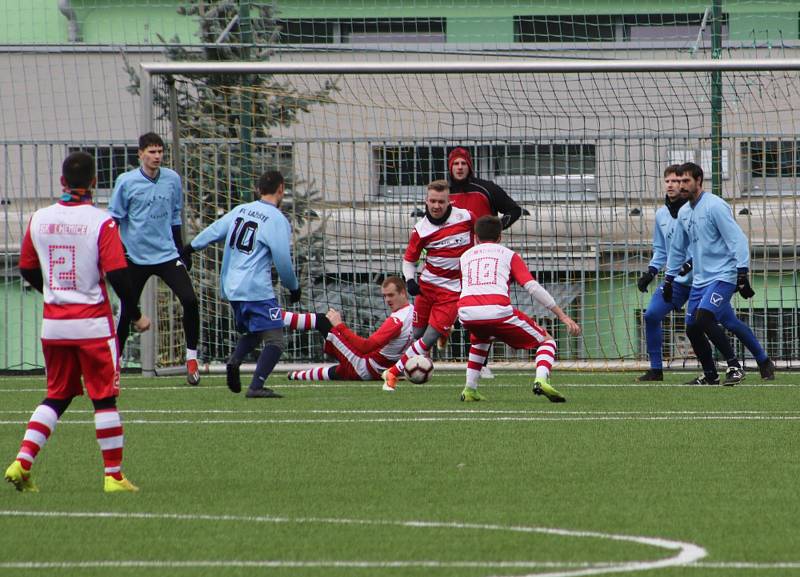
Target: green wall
<point>141,21</point>
<point>611,307</point>
<point>32,22</point>
<point>21,322</point>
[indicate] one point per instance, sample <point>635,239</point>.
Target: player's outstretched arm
<point>573,328</point>
<point>544,298</point>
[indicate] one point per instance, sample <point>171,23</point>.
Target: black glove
<point>667,289</point>
<point>186,256</point>
<point>505,221</point>
<point>294,296</point>
<point>646,278</point>
<point>743,284</point>
<point>686,268</point>
<point>413,287</point>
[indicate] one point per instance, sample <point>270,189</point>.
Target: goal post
<point>580,144</point>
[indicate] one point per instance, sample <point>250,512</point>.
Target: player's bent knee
<point>430,336</point>
<point>273,337</point>
<point>58,405</point>
<point>651,316</point>
<point>104,403</point>
<point>693,329</point>
<point>705,319</point>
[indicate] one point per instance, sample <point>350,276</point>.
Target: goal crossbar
<point>560,66</point>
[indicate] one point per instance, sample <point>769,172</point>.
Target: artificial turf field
<point>344,479</point>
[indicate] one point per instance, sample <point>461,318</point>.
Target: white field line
<point>747,565</point>
<point>470,411</point>
<point>439,417</point>
<point>405,388</point>
<point>234,563</point>
<point>685,553</point>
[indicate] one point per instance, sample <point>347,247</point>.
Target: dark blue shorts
<point>257,316</point>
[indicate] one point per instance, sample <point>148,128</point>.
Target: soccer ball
<point>419,369</point>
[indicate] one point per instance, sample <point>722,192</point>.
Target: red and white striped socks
<point>40,427</point>
<point>299,321</point>
<point>545,357</point>
<point>477,357</point>
<point>315,374</point>
<point>418,347</point>
<point>108,429</point>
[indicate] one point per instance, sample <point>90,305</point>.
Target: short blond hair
<point>440,185</point>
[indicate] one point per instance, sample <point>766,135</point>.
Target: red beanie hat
<point>459,152</point>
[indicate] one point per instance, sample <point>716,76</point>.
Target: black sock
<point>266,362</point>
<point>702,348</point>
<point>707,322</point>
<point>245,345</point>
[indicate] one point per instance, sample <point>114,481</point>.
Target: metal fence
<point>588,250</point>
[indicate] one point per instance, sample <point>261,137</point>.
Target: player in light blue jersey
<point>147,204</point>
<point>257,236</point>
<point>658,308</point>
<point>721,258</point>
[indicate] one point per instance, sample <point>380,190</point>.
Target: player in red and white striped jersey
<point>481,197</point>
<point>445,232</point>
<point>67,249</point>
<point>359,359</point>
<point>485,309</point>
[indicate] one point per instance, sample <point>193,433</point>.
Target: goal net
<point>581,146</point>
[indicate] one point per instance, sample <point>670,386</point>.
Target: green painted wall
<point>773,27</point>
<point>621,302</point>
<point>141,21</point>
<point>129,23</point>
<point>21,319</point>
<point>32,22</point>
<point>490,30</point>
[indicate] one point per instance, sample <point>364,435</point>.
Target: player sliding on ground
<point>485,310</point>
<point>359,359</point>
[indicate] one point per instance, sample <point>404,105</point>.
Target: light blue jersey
<point>146,210</point>
<point>708,231</point>
<point>257,236</point>
<point>662,239</point>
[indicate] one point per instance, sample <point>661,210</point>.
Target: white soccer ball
<point>419,369</point>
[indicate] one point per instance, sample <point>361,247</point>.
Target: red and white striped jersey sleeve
<point>388,330</point>
<point>28,258</point>
<point>519,271</point>
<point>109,243</point>
<point>414,248</point>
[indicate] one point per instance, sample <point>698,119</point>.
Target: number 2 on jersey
<point>482,271</point>
<point>63,275</point>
